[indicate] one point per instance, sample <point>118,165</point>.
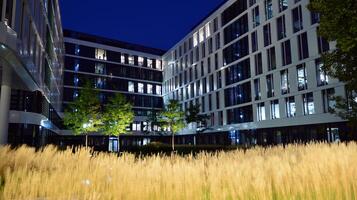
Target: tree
<point>338,22</point>
<point>173,118</point>
<point>117,116</point>
<point>83,115</point>
<point>193,115</point>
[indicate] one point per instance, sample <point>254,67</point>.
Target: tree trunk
<point>173,141</point>
<point>118,145</point>
<point>86,140</point>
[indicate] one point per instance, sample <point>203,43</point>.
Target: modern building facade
<point>115,67</point>
<point>254,67</point>
<point>31,60</point>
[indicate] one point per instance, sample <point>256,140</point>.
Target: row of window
<point>107,55</point>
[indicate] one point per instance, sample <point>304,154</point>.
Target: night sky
<point>153,23</point>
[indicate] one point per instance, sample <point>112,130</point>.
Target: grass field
<point>315,171</point>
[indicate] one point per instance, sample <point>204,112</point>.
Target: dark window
<point>218,41</point>
<point>268,9</point>
<point>203,50</point>
<point>286,52</point>
<point>267,35</point>
<point>280,26</point>
<point>257,92</point>
<point>215,24</point>
<point>283,5</point>
<point>233,11</point>
<point>238,72</point>
<point>271,58</point>
<point>255,17</point>
<point>240,115</point>
<point>236,29</point>
<point>210,45</point>
<point>297,19</point>
<point>258,64</point>
<point>254,38</point>
<point>270,85</point>
<point>238,94</point>
<point>303,47</point>
<point>219,79</point>
<point>315,17</point>
<point>216,61</point>
<point>323,44</point>
<point>236,51</point>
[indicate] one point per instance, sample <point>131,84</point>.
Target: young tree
<point>118,115</point>
<point>338,22</point>
<point>173,118</point>
<point>193,115</point>
<point>83,115</point>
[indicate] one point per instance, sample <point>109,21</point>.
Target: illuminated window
<point>158,89</point>
<point>208,30</point>
<point>158,64</point>
<point>99,68</point>
<point>77,50</point>
<point>301,75</point>
<point>284,82</point>
<point>149,63</point>
<point>140,61</point>
<point>149,89</point>
<point>131,87</point>
<point>201,34</point>
<point>195,41</point>
<point>140,87</point>
<point>122,59</point>
<point>260,112</point>
<point>136,126</point>
<point>131,60</point>
<point>322,77</point>
<point>100,54</point>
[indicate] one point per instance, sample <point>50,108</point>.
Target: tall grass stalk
<point>314,171</point>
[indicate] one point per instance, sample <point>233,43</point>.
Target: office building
<point>255,68</point>
<point>31,58</point>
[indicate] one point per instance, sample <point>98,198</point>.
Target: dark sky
<point>153,23</point>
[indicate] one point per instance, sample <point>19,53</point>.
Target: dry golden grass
<point>315,171</point>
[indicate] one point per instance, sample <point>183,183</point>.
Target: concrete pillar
<point>5,104</point>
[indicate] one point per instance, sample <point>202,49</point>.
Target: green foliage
<point>172,117</point>
<point>117,116</point>
<point>83,114</point>
<point>193,114</point>
<point>338,22</point>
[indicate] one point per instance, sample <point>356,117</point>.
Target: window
<point>211,84</point>
<point>257,92</point>
<point>236,51</point>
<point>209,65</point>
<point>219,79</point>
<point>290,107</point>
<point>254,39</point>
<point>99,83</point>
<point>218,41</point>
<point>202,69</point>
<point>122,59</point>
<point>301,76</point>
<point>268,9</point>
<point>303,47</point>
<point>322,77</point>
<point>322,43</point>
<point>315,17</point>
<point>77,50</point>
<point>329,102</point>
<point>215,24</point>
<point>99,68</point>
<point>203,104</point>
<point>204,85</point>
<point>283,5</point>
<point>271,58</point>
<point>203,50</point>
<point>286,52</point>
<point>255,17</point>
<point>284,82</point>
<point>240,115</point>
<point>258,64</point>
<point>280,27</point>
<point>195,39</point>
<point>158,64</point>
<point>217,100</point>
<point>210,45</point>
<point>260,112</point>
<point>267,35</point>
<point>158,89</point>
<point>198,88</point>
<point>233,11</point>
<point>136,126</point>
<point>236,29</point>
<point>216,61</point>
<point>297,19</point>
<point>100,54</point>
<point>238,94</point>
<point>140,87</point>
<point>252,2</point>
<point>149,89</point>
<point>201,33</point>
<point>208,29</point>
<point>309,106</point>
<point>149,62</point>
<point>237,72</point>
<point>270,85</point>
<point>131,87</point>
<point>210,102</point>
<point>274,109</point>
<point>131,60</point>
